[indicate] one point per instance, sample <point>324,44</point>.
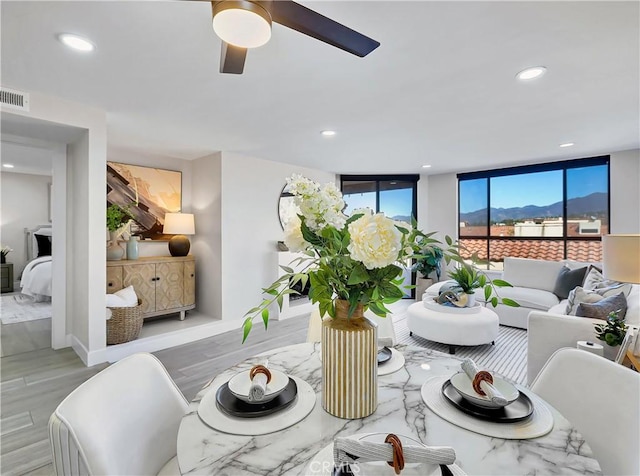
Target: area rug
<point>19,308</point>
<point>508,357</point>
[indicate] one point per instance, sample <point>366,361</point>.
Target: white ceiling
<point>439,90</point>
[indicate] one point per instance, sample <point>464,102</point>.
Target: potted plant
<point>612,333</point>
<point>117,218</point>
<point>468,278</point>
<point>427,261</point>
<point>4,251</point>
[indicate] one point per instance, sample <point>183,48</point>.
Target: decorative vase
<point>3,259</point>
<point>132,247</point>
<point>349,363</point>
<point>471,301</point>
<point>610,352</point>
<point>115,251</point>
<point>421,286</point>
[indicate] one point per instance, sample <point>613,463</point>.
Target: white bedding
<point>36,279</point>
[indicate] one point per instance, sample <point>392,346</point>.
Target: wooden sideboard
<point>165,284</point>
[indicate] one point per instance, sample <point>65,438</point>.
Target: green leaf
<point>287,269</point>
<point>280,299</point>
<point>309,235</point>
<point>510,302</point>
<point>448,239</point>
<point>501,283</point>
<point>358,275</point>
<point>353,218</point>
<point>487,293</point>
<point>494,301</point>
<point>248,323</point>
<point>265,317</point>
<point>273,292</point>
<point>252,310</point>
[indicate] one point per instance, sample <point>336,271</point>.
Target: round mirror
<point>287,209</point>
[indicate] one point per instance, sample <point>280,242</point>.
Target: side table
<point>7,278</point>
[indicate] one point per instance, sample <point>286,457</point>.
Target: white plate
<point>240,384</point>
<point>322,462</point>
<point>464,387</point>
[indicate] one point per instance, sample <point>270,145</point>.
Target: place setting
<point>259,394</point>
<point>487,404</point>
<point>382,454</point>
<point>390,359</point>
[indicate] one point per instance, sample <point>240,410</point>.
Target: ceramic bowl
<point>240,384</point>
<point>463,386</point>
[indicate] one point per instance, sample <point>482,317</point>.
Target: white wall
<point>251,228</point>
<point>85,216</point>
<point>24,203</point>
<point>206,244</point>
<point>438,205</point>
<point>625,191</point>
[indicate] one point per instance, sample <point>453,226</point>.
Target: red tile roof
<point>590,251</point>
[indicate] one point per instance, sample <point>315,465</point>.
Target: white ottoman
<point>453,326</point>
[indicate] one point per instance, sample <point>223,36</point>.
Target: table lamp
<point>179,224</point>
<point>621,258</point>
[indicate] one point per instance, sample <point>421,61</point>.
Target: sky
<point>541,188</point>
<point>392,202</point>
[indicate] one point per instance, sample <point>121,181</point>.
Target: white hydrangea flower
<point>320,206</point>
<point>375,241</point>
<point>293,235</point>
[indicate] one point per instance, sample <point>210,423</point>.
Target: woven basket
<point>125,324</point>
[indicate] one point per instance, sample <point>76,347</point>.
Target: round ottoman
<point>453,326</point>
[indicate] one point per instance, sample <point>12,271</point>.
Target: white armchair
<point>549,332</point>
<point>600,398</point>
<point>122,421</point>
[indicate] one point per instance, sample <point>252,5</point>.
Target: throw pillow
<point>568,279</point>
<point>44,245</point>
<point>578,296</point>
<point>595,281</point>
<point>124,298</point>
<point>602,308</point>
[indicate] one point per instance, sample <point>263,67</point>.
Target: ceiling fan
<point>243,24</point>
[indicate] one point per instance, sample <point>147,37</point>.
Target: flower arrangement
<point>4,251</point>
<point>614,331</point>
<point>357,258</point>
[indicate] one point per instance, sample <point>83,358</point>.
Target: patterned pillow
<point>595,281</point>
<point>602,308</point>
<point>580,295</point>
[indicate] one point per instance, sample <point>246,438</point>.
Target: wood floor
<point>35,381</point>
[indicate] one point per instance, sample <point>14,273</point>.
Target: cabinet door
<point>114,279</point>
<point>143,279</point>
<point>169,285</point>
<point>189,283</point>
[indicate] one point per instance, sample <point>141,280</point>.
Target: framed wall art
<point>148,193</point>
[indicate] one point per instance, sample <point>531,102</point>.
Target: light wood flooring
<point>35,380</point>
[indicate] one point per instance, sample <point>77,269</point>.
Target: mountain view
<point>593,205</point>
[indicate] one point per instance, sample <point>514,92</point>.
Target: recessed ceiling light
<point>76,42</point>
<point>9,166</point>
<point>567,144</point>
<point>531,73</point>
<point>328,133</point>
<point>426,166</point>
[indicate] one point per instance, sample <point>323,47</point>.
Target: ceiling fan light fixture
<point>241,23</point>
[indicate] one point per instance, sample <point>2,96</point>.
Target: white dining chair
<point>122,421</point>
<point>602,400</point>
<point>385,327</point>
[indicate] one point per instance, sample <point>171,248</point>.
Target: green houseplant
<point>117,217</point>
<point>429,260</point>
<point>614,331</point>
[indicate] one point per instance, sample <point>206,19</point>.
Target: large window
<point>394,195</point>
<point>547,211</point>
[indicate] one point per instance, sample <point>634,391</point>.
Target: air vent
<point>12,99</point>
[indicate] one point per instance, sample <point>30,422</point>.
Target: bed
<point>36,277</point>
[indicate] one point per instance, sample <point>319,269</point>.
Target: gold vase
<point>349,363</point>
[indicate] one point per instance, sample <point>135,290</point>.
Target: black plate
<point>232,405</point>
<point>384,355</point>
<point>519,410</point>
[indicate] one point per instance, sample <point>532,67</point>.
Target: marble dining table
<point>401,410</point>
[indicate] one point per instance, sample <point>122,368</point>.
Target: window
<point>394,195</point>
<point>548,211</point>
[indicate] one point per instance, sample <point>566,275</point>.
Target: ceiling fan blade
<point>232,59</point>
<point>304,20</point>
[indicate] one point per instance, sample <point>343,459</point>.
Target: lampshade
<point>179,224</point>
<point>241,23</point>
<point>621,258</point>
